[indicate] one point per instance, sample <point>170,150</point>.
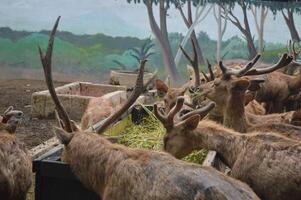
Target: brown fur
<point>15,166</point>
<point>169,94</point>
<point>229,95</point>
<point>268,162</point>
<point>116,172</point>
<point>98,109</point>
<point>276,90</point>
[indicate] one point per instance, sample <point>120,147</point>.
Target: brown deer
<point>100,112</point>
<point>228,92</point>
<point>269,162</point>
<point>15,162</point>
<point>116,172</point>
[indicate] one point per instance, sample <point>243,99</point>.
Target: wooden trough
<point>75,98</point>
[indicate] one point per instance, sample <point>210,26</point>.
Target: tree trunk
<point>162,37</point>
<point>290,22</point>
<point>248,35</point>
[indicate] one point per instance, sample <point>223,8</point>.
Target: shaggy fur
<point>98,109</point>
<point>116,172</point>
<point>229,95</point>
<point>268,162</point>
<point>15,166</point>
<point>276,90</point>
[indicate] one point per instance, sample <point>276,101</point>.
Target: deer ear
<point>255,84</point>
<point>161,86</point>
<point>190,70</point>
<point>192,122</point>
<point>240,85</point>
<point>63,136</point>
<point>248,98</point>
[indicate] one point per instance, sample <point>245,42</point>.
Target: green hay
<point>149,135</point>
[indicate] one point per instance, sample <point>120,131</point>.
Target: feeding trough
<point>75,98</point>
<point>127,78</point>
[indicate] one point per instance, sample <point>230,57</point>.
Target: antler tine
<point>289,47</point>
<point>176,108</point>
<point>186,54</point>
<point>223,68</point>
<point>284,61</point>
<point>159,115</point>
<point>296,53</point>
<point>212,77</point>
<point>193,61</point>
<point>201,111</point>
<point>46,62</point>
<point>205,76</point>
<point>251,64</point>
<point>10,108</point>
<point>138,89</point>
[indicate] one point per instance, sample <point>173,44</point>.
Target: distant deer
<point>98,109</point>
<point>269,162</point>
<point>278,87</point>
<point>228,92</point>
<point>116,172</point>
<point>15,162</point>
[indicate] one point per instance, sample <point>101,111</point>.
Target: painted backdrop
<point>98,35</point>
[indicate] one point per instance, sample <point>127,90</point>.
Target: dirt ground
<point>32,131</point>
<point>17,93</point>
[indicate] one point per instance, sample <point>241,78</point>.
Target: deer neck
<point>92,159</point>
<point>234,113</point>
<point>295,83</point>
<point>226,142</point>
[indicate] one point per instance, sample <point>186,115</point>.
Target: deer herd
<point>238,109</point>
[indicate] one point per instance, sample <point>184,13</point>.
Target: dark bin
<point>54,179</point>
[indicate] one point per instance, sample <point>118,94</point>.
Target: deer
<point>117,172</point>
<point>196,78</point>
<point>278,87</point>
<point>15,162</point>
<point>267,161</point>
<point>228,92</point>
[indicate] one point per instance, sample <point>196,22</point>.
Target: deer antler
<point>9,113</point>
<point>212,77</point>
<point>138,89</point>
<point>201,111</point>
<point>167,120</point>
<point>283,61</point>
<point>46,62</point>
<point>241,72</point>
<point>291,47</point>
<point>194,62</point>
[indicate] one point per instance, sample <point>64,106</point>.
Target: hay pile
<point>149,135</point>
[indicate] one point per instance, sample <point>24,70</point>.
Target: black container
<point>54,179</point>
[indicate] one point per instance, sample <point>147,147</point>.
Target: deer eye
<point>165,140</point>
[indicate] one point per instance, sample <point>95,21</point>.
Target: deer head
<point>169,94</point>
<point>10,119</point>
<point>234,81</point>
<point>177,140</point>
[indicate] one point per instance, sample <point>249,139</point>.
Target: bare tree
<point>290,22</point>
<point>200,14</point>
<point>221,28</point>
<point>259,24</point>
<point>161,33</point>
<point>244,27</point>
